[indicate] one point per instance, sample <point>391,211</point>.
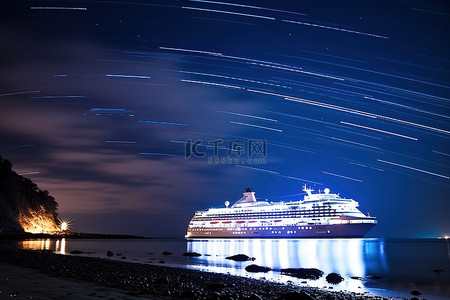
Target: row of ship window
<point>268,217</point>
<point>255,228</point>
<point>204,229</point>
<point>315,205</point>
<point>282,213</point>
<point>295,206</point>
<point>288,232</point>
<point>285,213</point>
<point>273,232</point>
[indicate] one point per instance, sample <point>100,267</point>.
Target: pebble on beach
<point>160,281</point>
<point>302,295</point>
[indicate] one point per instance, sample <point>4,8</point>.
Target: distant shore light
<point>64,226</point>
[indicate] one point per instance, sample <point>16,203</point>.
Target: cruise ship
<point>318,215</point>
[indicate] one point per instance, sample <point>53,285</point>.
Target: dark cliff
<point>23,206</point>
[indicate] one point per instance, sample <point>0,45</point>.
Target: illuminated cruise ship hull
<point>349,230</point>
<point>320,215</point>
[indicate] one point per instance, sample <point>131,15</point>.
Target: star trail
<point>350,96</point>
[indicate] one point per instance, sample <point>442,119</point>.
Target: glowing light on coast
<point>41,221</point>
<point>64,226</point>
<point>37,221</point>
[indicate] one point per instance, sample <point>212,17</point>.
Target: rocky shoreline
<point>177,283</point>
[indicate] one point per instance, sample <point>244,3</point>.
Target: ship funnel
<point>248,197</point>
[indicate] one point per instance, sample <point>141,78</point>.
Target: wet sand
<point>72,277</point>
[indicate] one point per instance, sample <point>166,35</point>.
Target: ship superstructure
<point>318,215</point>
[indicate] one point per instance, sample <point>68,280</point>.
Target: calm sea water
<point>403,264</point>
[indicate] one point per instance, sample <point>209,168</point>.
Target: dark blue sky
<point>98,99</point>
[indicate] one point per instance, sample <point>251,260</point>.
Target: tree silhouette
<point>23,205</point>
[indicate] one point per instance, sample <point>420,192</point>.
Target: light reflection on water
<point>404,264</point>
<point>347,257</point>
<point>57,246</point>
<point>344,256</point>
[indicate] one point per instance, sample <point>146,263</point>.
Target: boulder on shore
<point>334,278</point>
<point>240,257</point>
<point>191,254</point>
<point>303,273</point>
<point>257,269</point>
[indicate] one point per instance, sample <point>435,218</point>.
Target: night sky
<point>98,100</point>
